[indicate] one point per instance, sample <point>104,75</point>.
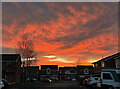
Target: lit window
<point>96,65</point>
<point>102,64</point>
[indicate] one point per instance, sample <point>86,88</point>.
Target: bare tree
<point>26,49</point>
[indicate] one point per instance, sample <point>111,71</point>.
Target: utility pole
<point>23,71</point>
<point>78,61</point>
<point>27,70</point>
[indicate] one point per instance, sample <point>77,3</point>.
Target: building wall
<point>14,71</point>
<point>32,73</point>
<point>53,73</point>
<point>107,64</point>
<point>10,75</point>
<point>110,63</point>
<point>67,73</point>
<point>97,68</point>
<point>18,71</point>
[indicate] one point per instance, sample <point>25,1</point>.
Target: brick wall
<point>11,72</point>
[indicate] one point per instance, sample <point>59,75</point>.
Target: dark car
<point>45,80</point>
<point>6,84</point>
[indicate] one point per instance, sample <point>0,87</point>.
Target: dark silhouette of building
<point>117,61</point>
<point>49,71</point>
<point>11,67</point>
<point>84,70</point>
<point>112,61</point>
<point>67,73</point>
<point>32,73</point>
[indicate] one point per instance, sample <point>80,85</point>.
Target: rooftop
<point>9,57</point>
<point>49,66</point>
<point>107,58</point>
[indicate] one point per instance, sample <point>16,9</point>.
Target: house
<point>11,67</point>
<point>49,71</point>
<point>84,70</point>
<point>117,61</point>
<point>112,61</point>
<point>67,73</point>
<point>31,71</point>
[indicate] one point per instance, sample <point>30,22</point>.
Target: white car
<point>1,84</point>
<point>91,82</point>
<point>110,79</point>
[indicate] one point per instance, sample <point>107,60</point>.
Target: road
<point>58,85</point>
<point>65,85</point>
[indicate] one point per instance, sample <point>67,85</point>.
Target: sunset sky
<point>62,33</point>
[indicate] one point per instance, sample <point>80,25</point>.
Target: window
<point>96,78</point>
<point>96,65</point>
<point>102,64</point>
<point>62,71</point>
<point>107,76</point>
<point>86,71</point>
<point>48,71</point>
<point>72,71</point>
<point>67,71</point>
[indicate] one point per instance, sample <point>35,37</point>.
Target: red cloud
<point>74,33</point>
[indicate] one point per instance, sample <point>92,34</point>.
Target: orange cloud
<point>70,31</point>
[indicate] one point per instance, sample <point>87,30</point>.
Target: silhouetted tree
<point>26,49</point>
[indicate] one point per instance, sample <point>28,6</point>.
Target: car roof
<point>110,70</point>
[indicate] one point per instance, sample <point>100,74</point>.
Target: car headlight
<point>50,80</point>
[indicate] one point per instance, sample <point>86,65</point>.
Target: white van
<point>110,79</point>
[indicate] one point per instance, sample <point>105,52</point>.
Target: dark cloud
<point>8,50</point>
<point>27,13</point>
<point>63,29</point>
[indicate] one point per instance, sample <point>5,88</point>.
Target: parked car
<point>82,78</point>
<point>110,79</point>
<point>53,78</point>
<point>91,82</point>
<point>1,84</point>
<point>6,84</point>
<point>73,79</point>
<point>46,80</point>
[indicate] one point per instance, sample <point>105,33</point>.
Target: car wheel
<point>110,87</point>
